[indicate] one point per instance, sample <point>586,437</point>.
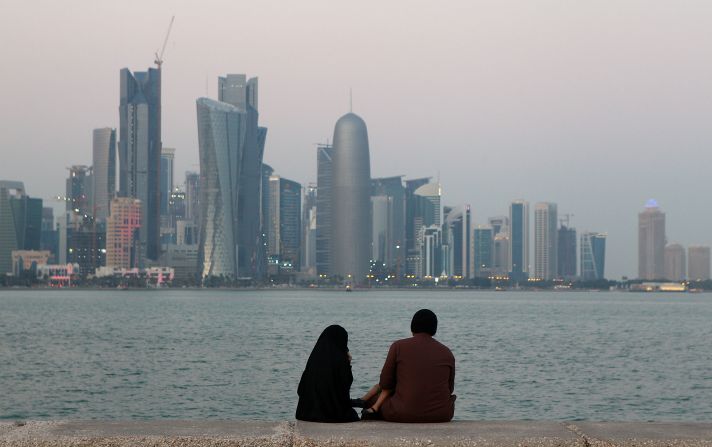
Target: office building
<point>501,252</point>
<point>519,240</point>
<point>390,237</point>
<point>308,261</point>
<point>412,251</point>
<point>104,171</point>
<point>231,146</point>
<point>545,241</point>
<point>140,148</point>
<point>20,222</point>
<point>459,231</point>
<point>267,172</point>
<point>651,242</point>
<point>498,223</point>
<point>567,256</point>
<point>593,256</point>
<point>675,262</point>
<point>49,239</point>
<point>192,196</point>
<point>86,245</point>
<point>166,181</point>
<point>79,193</point>
<point>698,263</point>
<point>122,233</point>
<point>351,200</point>
<point>284,235</point>
<point>484,251</point>
<point>324,167</point>
<point>430,252</point>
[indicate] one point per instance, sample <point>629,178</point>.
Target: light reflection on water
<point>239,355</point>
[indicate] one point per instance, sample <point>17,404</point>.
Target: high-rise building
<point>519,240</point>
<point>425,211</point>
<point>324,168</point>
<point>122,228</point>
<point>484,251</point>
<point>593,256</point>
<point>20,222</point>
<point>351,200</point>
<point>412,208</point>
<point>545,241</point>
<point>459,230</point>
<point>140,150</point>
<point>501,252</point>
<point>86,245</point>
<point>192,196</point>
<point>651,242</point>
<point>104,171</point>
<point>698,263</point>
<point>231,148</point>
<point>284,235</point>
<point>308,258</point>
<point>498,223</point>
<point>389,239</point>
<point>79,191</point>
<point>49,240</point>
<point>267,172</point>
<point>430,252</point>
<point>675,265</point>
<point>566,252</point>
<point>166,178</point>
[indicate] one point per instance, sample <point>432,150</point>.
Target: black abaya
<point>326,381</point>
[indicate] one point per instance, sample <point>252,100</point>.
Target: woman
<point>326,381</point>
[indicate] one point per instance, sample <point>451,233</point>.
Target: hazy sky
<point>595,105</point>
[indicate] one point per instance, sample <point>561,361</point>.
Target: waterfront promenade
<point>372,433</point>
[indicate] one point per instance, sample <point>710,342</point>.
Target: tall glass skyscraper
<point>388,201</point>
<point>567,252</point>
<point>140,150</point>
<point>484,250</point>
<point>545,241</point>
<point>231,148</point>
<point>593,256</point>
<point>651,242</point>
<point>519,240</point>
<point>167,161</point>
<point>104,171</point>
<point>351,200</point>
<point>324,168</point>
<point>284,224</point>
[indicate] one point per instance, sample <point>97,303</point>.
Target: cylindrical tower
<point>351,200</point>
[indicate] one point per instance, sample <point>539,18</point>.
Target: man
<point>417,379</point>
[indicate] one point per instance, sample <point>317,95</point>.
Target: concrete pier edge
<point>373,433</point>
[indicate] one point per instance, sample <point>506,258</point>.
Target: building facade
<point>351,201</point>
<point>698,263</point>
<point>651,242</point>
<point>545,241</point>
<point>284,224</point>
<point>122,233</point>
<point>104,171</point>
<point>484,251</point>
<point>593,256</point>
<point>325,168</point>
<point>519,240</point>
<point>567,256</point>
<point>140,150</point>
<point>675,262</point>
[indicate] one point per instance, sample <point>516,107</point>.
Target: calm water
<point>239,355</point>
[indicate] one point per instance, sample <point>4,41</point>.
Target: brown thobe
<point>420,372</point>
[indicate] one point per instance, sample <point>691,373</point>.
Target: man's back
<point>421,372</point>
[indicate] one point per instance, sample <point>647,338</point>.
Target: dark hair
<point>424,321</point>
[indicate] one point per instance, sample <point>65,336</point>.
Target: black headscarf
<point>326,381</point>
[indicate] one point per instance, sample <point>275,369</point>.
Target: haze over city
<point>596,107</point>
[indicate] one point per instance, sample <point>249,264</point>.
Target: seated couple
<point>416,384</point>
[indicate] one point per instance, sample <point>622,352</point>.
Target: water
<point>239,355</point>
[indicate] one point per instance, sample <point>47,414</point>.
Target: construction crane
<point>159,57</point>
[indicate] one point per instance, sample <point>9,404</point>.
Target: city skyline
<point>570,131</point>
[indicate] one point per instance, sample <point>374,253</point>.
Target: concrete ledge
<point>306,434</point>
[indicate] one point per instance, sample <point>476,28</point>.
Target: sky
<point>596,106</point>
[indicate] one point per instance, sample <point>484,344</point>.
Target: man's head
<point>424,321</point>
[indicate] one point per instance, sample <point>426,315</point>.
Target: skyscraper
<point>519,240</point>
<point>498,223</point>
<point>104,167</point>
<point>424,208</point>
<point>231,147</point>
<point>412,252</point>
<point>459,230</point>
<point>430,252</point>
<point>166,178</point>
<point>20,222</point>
<point>698,263</point>
<point>675,265</point>
<point>545,241</point>
<point>192,196</point>
<point>484,250</point>
<point>593,256</point>
<point>122,228</point>
<point>324,168</point>
<point>500,262</point>
<point>78,190</point>
<point>390,243</point>
<point>651,242</point>
<point>308,262</point>
<point>351,200</point>
<point>284,235</point>
<point>567,252</point>
<point>140,150</point>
